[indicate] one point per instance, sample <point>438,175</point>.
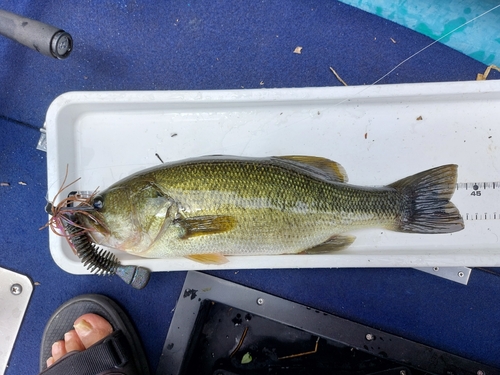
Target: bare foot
<point>88,329</point>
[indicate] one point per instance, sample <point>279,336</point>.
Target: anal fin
<point>208,258</point>
<point>334,243</point>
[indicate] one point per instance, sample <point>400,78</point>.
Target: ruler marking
<point>477,185</point>
<point>478,200</point>
<point>486,216</point>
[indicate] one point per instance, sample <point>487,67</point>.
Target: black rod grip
<point>46,39</point>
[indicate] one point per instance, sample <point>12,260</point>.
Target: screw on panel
<point>260,301</point>
<point>480,372</point>
<point>402,372</point>
<point>369,337</point>
<point>461,274</point>
<point>436,269</point>
<point>16,289</point>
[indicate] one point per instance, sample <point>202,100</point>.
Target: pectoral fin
<point>334,243</point>
<point>208,258</point>
<point>204,225</point>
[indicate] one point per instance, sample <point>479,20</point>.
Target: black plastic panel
<point>221,328</point>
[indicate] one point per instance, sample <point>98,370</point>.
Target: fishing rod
<point>46,39</point>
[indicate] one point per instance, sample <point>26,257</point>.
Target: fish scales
<point>254,206</point>
<point>280,205</point>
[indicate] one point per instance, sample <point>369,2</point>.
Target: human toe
<point>88,330</point>
<point>72,341</point>
<point>91,328</point>
<point>60,348</point>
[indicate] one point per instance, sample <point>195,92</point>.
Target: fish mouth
<point>94,224</point>
<point>91,221</point>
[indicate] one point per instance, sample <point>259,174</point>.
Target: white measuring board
<point>379,134</point>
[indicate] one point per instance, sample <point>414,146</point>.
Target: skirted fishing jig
<point>96,260</point>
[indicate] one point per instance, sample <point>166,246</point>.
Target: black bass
<point>208,207</point>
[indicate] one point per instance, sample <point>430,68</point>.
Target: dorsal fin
<point>331,169</point>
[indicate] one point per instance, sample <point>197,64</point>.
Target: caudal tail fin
<point>426,202</point>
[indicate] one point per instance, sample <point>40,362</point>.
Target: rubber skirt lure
<point>95,259</point>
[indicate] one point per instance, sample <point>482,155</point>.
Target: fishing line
<point>420,51</point>
<point>434,42</point>
<point>18,122</point>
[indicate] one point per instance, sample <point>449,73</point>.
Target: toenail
<point>83,326</point>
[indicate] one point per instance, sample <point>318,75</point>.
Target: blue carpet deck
<point>208,45</point>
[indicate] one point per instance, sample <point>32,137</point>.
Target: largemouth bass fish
<point>208,207</point>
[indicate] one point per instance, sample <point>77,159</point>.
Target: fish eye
<point>98,202</point>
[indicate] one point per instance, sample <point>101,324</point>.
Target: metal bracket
<point>457,274</point>
<point>42,142</point>
<point>15,293</point>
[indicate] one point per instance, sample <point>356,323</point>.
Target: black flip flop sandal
<point>119,353</point>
